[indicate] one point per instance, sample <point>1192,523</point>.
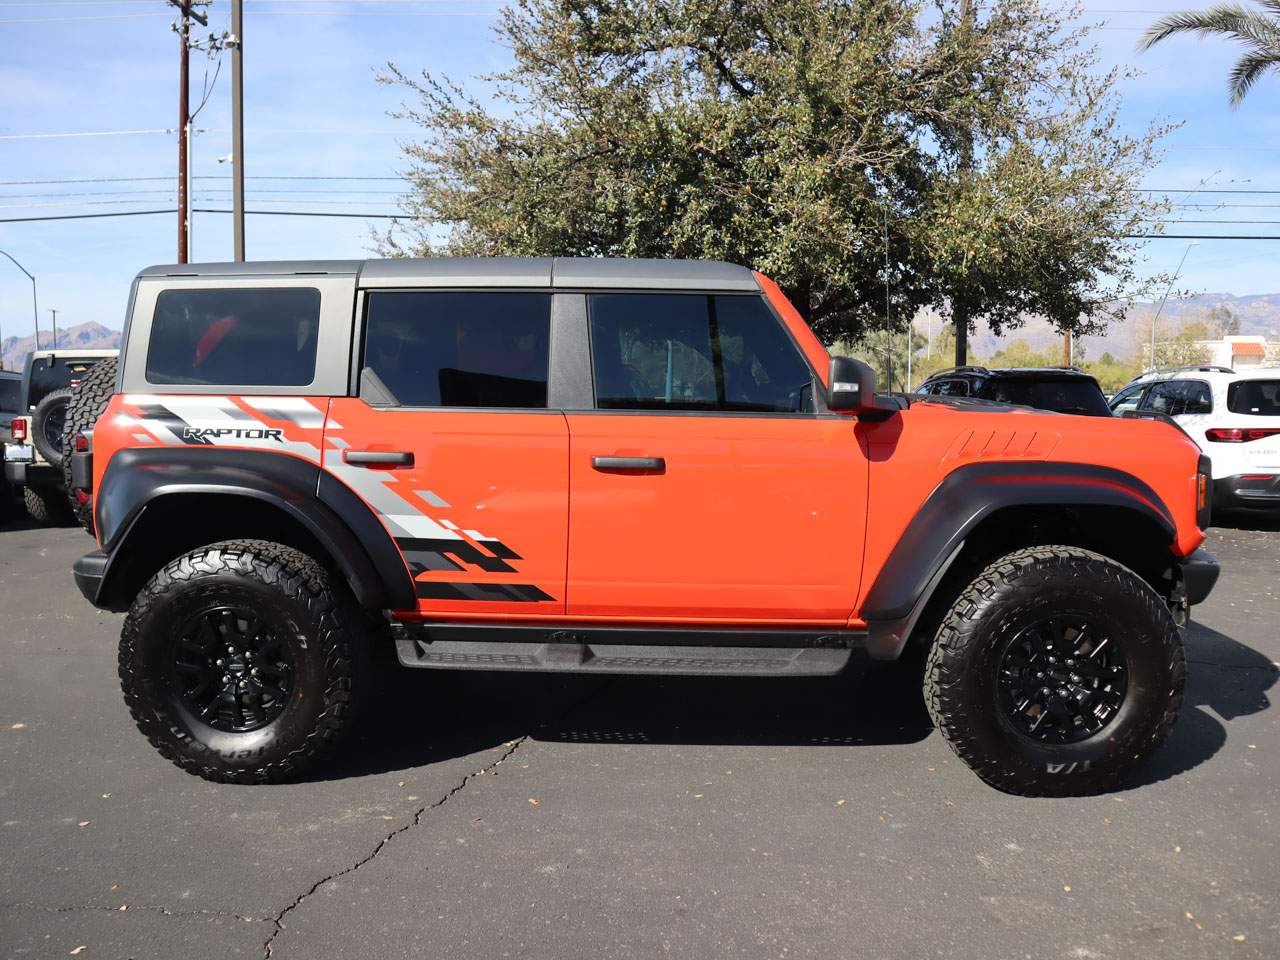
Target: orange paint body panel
<point>753,518</point>
<point>496,481</point>
<point>912,452</point>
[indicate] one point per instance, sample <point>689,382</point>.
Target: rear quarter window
<point>263,336</point>
<point>1254,398</point>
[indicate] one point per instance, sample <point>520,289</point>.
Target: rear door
<point>704,487</point>
<point>451,443</point>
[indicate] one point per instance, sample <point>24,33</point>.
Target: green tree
<point>840,147</point>
<point>1258,31</point>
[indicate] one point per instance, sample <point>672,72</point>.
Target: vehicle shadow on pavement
<point>426,716</point>
<point>422,717</point>
<point>1225,680</point>
<point>1247,520</point>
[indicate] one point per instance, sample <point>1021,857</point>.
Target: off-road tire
<point>45,505</point>
<point>961,673</point>
<point>47,407</point>
<point>326,637</point>
<point>88,402</point>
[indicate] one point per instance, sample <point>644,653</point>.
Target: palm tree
<point>1258,31</point>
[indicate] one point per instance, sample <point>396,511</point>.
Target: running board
<point>790,654</point>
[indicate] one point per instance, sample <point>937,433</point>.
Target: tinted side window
<point>694,352</point>
<point>262,336</point>
<point>444,349</point>
<point>11,394</point>
<point>1178,397</point>
<point>1255,398</point>
<point>1127,399</point>
<point>951,388</point>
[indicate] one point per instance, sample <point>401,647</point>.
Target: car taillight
<point>81,443</point>
<point>18,429</point>
<point>1239,434</point>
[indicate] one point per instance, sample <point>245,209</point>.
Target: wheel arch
<point>156,504</point>
<point>982,511</point>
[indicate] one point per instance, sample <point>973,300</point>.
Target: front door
<point>451,443</point>
<point>703,487</point>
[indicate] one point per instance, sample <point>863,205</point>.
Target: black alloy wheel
<point>1061,680</point>
<point>231,671</point>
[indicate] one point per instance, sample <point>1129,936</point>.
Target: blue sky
<point>313,108</point>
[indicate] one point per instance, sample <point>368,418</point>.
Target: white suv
<point>1234,416</point>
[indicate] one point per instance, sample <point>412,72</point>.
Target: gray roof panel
<point>601,272</point>
<point>458,272</point>
<point>526,272</point>
<point>255,268</point>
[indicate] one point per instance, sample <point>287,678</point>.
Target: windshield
<point>1074,395</point>
<point>1254,398</point>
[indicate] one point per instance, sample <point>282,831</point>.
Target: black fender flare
<point>345,526</point>
<point>966,497</point>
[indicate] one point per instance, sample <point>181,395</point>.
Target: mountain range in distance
<point>90,335</point>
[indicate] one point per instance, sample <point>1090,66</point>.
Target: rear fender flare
<point>137,479</point>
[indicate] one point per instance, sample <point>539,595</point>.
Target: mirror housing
<point>852,386</point>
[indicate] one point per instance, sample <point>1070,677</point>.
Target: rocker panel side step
<point>595,657</point>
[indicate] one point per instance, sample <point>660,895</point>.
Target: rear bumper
<point>1247,490</point>
<point>1199,573</point>
<point>15,471</point>
<point>89,571</point>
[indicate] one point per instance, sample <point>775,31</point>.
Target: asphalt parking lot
<point>543,817</point>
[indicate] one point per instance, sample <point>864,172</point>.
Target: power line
<point>224,176</point>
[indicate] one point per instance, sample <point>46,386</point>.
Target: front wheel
<point>238,661</point>
<point>1055,672</point>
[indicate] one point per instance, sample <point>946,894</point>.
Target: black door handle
<point>401,458</point>
<point>630,464</point>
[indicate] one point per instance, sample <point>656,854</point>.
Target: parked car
<point>1061,389</point>
<point>1232,415</point>
<point>610,466</point>
<point>10,407</point>
<point>48,380</point>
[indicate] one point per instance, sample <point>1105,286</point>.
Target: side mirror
<point>853,386</point>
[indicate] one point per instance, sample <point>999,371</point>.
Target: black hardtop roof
<point>549,272</point>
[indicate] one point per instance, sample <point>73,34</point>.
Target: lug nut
<point>219,663</point>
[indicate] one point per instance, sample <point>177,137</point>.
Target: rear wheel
<point>1055,672</point>
<point>45,504</point>
<point>47,423</point>
<point>238,661</point>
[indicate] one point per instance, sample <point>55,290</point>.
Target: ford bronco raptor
<point>610,466</point>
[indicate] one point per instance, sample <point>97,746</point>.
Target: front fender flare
<point>966,497</point>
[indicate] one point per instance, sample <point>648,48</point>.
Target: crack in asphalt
<point>278,919</point>
<point>133,908</point>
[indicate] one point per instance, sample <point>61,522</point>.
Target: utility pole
<point>959,308</point>
<point>35,309</point>
<point>237,128</point>
<point>1066,347</point>
<point>183,29</point>
<point>55,327</point>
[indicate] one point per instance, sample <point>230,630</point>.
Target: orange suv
<point>610,466</point>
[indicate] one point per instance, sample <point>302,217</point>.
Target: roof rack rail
<point>964,368</point>
<point>1199,367</point>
